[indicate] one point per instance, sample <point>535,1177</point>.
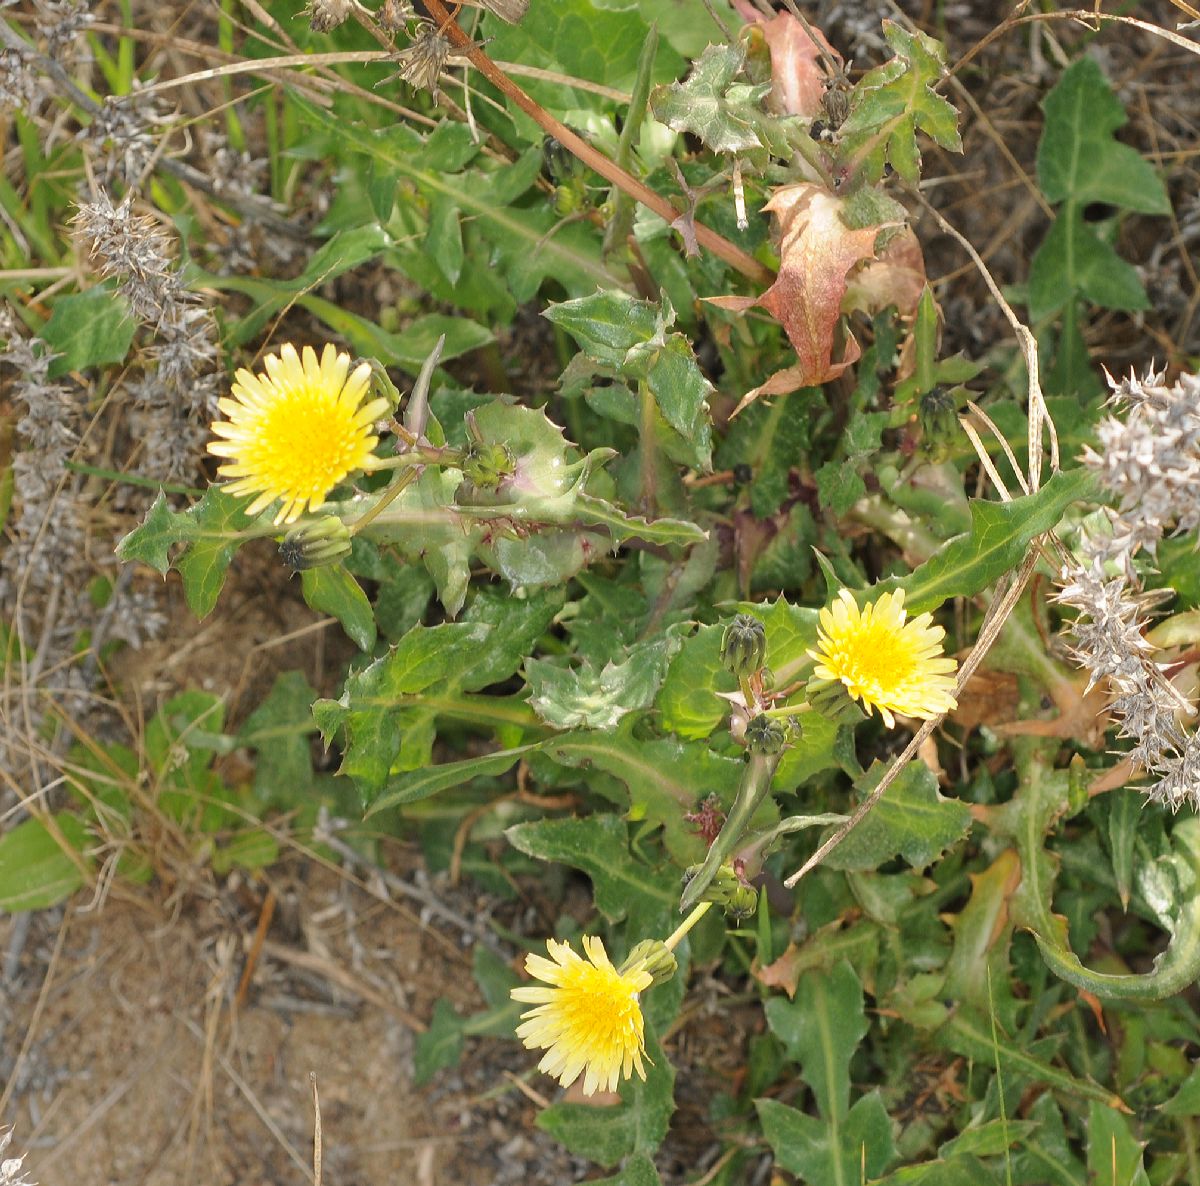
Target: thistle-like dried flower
<point>421,62</point>
<point>394,15</point>
<point>1108,640</point>
<point>1150,462</point>
<point>61,22</point>
<point>11,1173</point>
<point>325,15</point>
<point>18,82</point>
<point>131,247</point>
<point>124,133</point>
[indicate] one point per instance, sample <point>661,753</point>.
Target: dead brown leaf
<point>797,79</point>
<point>816,251</point>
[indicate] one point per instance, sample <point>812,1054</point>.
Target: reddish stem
<point>610,170</point>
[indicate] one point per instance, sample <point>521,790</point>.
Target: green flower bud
<point>742,904</point>
<point>744,646</point>
<point>655,958</point>
<point>313,545</point>
<point>486,464</point>
<point>765,736</point>
<point>730,892</point>
<point>830,698</point>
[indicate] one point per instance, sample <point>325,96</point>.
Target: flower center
<point>306,443</point>
<point>874,656</point>
<point>600,1006</point>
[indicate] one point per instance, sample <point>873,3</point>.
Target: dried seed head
<point>421,63</point>
<point>393,15</point>
<point>326,15</point>
<point>18,82</point>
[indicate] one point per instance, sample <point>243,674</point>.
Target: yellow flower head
<point>886,662</point>
<point>589,1020</point>
<point>295,431</point>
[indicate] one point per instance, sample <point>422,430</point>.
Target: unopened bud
<point>744,646</point>
<point>765,736</point>
<point>729,891</point>
<point>653,956</point>
<point>486,464</point>
<point>313,545</point>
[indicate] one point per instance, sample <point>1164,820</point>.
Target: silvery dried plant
<point>176,397</point>
<point>1149,461</point>
<point>11,1171</point>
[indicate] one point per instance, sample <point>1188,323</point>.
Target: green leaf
<point>725,115</point>
<point>1074,259</point>
<point>1078,157</point>
<point>88,329</point>
<point>582,39</point>
<point>636,1125</point>
<point>444,241</point>
<point>1114,1157</point>
<point>1080,162</point>
<point>220,527</point>
<point>279,729</point>
<point>596,512</point>
<point>999,536</point>
<point>630,336</point>
<point>989,1139</point>
<point>689,701</point>
<point>524,250</point>
<point>332,590</point>
<point>34,870</point>
<point>843,1154</point>
<point>606,324</point>
<point>369,707</point>
<point>665,778</point>
<point>820,1027</point>
<point>770,437</point>
<point>517,624</point>
<point>959,1171</point>
<point>1122,812</point>
<point>839,486</point>
<point>971,1034</point>
<point>440,1046</point>
<point>1045,1157</point>
<point>252,848</point>
<point>151,541</point>
<point>599,846</point>
<point>414,785</point>
<point>637,1171</point>
<point>1186,1101</point>
<point>1176,968</point>
<point>570,697</point>
<point>912,820</point>
<point>893,101</point>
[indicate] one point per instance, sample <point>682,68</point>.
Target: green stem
<point>390,495</point>
<point>785,711</point>
<point>649,452</point>
<point>673,939</point>
<point>591,156</point>
<point>756,782</point>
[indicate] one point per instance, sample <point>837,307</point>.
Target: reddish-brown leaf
<point>897,278</point>
<point>816,251</point>
<point>797,79</point>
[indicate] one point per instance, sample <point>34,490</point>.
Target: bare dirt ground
<point>139,1065</point>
